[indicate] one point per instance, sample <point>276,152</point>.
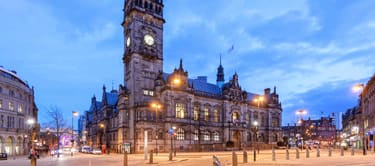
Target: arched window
<point>196,112</point>
<point>206,135</point>
<point>180,110</point>
<point>206,114</point>
<point>275,138</point>
<point>216,115</point>
<point>235,116</point>
<point>216,136</point>
<point>180,134</point>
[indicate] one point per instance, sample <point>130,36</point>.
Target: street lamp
<point>255,130</point>
<point>259,100</point>
<point>175,81</point>
<point>301,112</point>
<point>74,113</point>
<point>358,88</point>
<point>31,123</point>
<point>156,106</point>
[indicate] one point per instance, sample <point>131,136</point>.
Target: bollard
<point>287,154</point>
<point>273,154</point>
<point>125,159</point>
<point>234,159</point>
<point>307,153</point>
<point>151,156</point>
<point>244,157</point>
<point>342,151</point>
<point>317,152</point>
<point>353,151</point>
<point>255,155</point>
<point>170,156</point>
<point>330,151</point>
<point>297,153</point>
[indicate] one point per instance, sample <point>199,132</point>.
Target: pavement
<point>205,158</point>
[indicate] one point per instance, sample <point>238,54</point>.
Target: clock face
<point>149,40</point>
<point>128,42</point>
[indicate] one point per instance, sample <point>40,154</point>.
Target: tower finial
<point>180,63</point>
<point>220,59</point>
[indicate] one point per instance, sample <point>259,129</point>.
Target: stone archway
<point>9,145</point>
<point>237,138</point>
<point>19,147</point>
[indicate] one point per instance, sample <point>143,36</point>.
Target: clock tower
<point>143,57</point>
<point>143,60</point>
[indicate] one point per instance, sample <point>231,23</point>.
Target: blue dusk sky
<point>313,51</point>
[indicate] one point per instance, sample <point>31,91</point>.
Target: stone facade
<point>367,104</point>
<point>190,114</point>
<point>16,107</point>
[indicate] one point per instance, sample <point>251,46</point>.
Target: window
<point>216,136</point>
<point>235,116</point>
<point>275,122</point>
<point>1,103</point>
<point>196,113</point>
<point>2,121</point>
<point>11,106</point>
<point>206,135</point>
<point>145,92</point>
<point>216,115</point>
<point>180,134</point>
<point>151,93</point>
<point>206,114</point>
<point>11,93</point>
<point>196,135</point>
<point>248,137</point>
<point>1,89</point>
<point>20,108</point>
<point>180,110</point>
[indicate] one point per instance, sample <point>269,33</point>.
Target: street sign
<point>170,131</point>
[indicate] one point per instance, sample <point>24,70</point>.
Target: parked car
<point>86,149</point>
<point>96,151</point>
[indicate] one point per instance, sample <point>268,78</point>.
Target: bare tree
<point>57,122</point>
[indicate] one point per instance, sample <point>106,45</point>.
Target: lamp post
<point>31,123</point>
<point>359,88</point>
<point>74,113</point>
<point>156,106</point>
<point>175,81</point>
<point>301,112</point>
<point>255,130</point>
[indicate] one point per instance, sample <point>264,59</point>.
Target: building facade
<point>16,107</point>
<point>351,127</point>
<point>165,111</point>
<point>321,130</point>
<point>367,105</point>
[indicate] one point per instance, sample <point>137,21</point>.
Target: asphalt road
<point>204,158</point>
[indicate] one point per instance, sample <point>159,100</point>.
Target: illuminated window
<point>216,136</point>
<point>206,135</point>
<point>180,110</point>
<point>180,134</point>
<point>206,114</point>
<point>196,112</point>
<point>196,135</point>
<point>145,92</point>
<point>151,93</point>
<point>11,106</point>
<point>1,103</point>
<point>216,115</point>
<point>235,116</point>
<point>20,108</point>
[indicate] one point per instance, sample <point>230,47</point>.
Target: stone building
<point>321,130</point>
<point>367,105</point>
<point>16,107</point>
<point>156,109</point>
<point>351,127</point>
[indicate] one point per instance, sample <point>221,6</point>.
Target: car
<point>86,149</point>
<point>96,151</point>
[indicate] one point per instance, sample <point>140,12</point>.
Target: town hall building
<point>164,111</point>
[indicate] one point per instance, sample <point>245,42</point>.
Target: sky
<point>312,51</point>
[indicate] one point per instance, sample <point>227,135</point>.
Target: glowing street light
<point>157,106</point>
<point>258,100</point>
<point>358,88</point>
<point>74,113</point>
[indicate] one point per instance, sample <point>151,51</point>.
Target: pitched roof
<point>112,98</point>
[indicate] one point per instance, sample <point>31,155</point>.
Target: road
<point>204,158</point>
